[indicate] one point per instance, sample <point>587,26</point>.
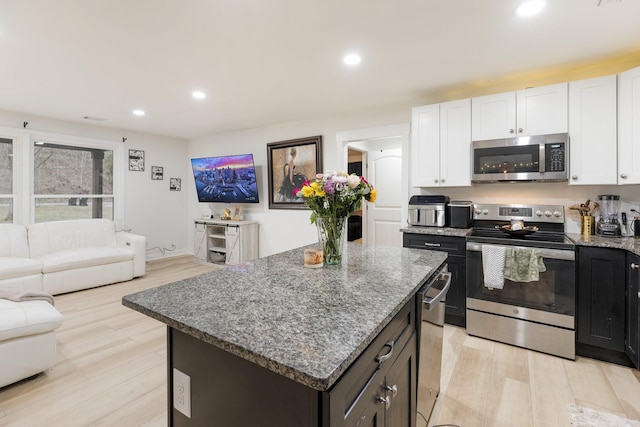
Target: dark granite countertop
<point>627,243</point>
<point>308,325</point>
<point>438,231</point>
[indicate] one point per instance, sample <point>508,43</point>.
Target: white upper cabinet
<point>425,146</point>
<point>535,111</point>
<point>629,127</point>
<point>455,143</point>
<point>593,131</point>
<point>441,145</point>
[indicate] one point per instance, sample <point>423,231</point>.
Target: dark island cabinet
<point>601,300</point>
<point>378,389</point>
<point>455,247</point>
<point>633,296</point>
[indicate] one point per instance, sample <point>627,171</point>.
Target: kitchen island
<point>272,343</point>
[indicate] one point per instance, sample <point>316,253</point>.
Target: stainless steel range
<point>521,278</point>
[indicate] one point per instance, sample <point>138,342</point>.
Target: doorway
<point>382,153</point>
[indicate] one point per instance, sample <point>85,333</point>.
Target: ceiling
<point>264,62</point>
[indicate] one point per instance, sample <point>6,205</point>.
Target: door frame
<point>361,136</point>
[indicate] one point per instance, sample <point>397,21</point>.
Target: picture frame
<point>175,184</point>
<point>289,164</point>
<point>237,213</point>
<point>157,173</point>
<point>136,160</point>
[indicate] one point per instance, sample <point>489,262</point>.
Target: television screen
<point>226,179</point>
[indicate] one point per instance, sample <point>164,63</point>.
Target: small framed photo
<point>289,165</point>
<point>237,213</point>
<point>136,160</point>
<point>175,184</point>
<point>157,172</point>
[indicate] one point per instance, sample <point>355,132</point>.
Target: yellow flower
<point>307,191</point>
<point>373,195</point>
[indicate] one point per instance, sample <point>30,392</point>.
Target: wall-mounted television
<point>226,179</point>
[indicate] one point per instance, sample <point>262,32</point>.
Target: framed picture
<point>175,184</point>
<point>157,172</point>
<point>237,213</point>
<point>290,163</point>
<point>136,160</point>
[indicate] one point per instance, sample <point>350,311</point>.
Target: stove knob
<point>485,211</point>
<point>477,211</point>
<point>547,213</point>
<point>557,214</point>
<point>538,212</point>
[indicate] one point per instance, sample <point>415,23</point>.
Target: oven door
<point>538,315</point>
<point>549,300</point>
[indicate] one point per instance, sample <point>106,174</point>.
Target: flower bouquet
<point>332,197</point>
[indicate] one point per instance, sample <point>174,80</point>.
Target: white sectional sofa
<point>65,256</point>
<point>54,257</point>
<point>27,339</point>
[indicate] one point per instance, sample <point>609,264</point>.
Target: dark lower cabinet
<point>378,389</point>
<point>633,294</point>
<point>456,303</point>
<point>601,303</point>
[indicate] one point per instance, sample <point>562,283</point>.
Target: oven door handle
<point>568,255</point>
<point>428,302</point>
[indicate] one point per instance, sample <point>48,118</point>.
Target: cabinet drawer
<point>452,245</point>
<point>371,365</point>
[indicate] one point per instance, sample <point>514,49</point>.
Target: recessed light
<point>138,113</point>
<point>530,7</point>
<point>198,94</point>
<point>352,59</point>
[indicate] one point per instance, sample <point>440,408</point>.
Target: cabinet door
<point>425,146</point>
<point>200,241</point>
<point>601,298</point>
<point>633,294</point>
<point>542,110</point>
<point>455,143</point>
<point>593,131</point>
<point>400,388</point>
<point>629,127</point>
<point>493,116</point>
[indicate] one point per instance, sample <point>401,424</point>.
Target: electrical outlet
<point>182,392</point>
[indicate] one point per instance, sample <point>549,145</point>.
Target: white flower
<point>353,181</point>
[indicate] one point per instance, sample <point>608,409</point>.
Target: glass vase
<point>331,233</point>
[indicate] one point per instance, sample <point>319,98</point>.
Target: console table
<point>226,242</point>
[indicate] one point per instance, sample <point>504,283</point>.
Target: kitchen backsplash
<point>559,193</point>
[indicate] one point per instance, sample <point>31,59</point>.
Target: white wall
<point>282,229</point>
<point>150,208</point>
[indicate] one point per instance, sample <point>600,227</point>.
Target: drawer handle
<point>393,389</point>
<point>386,400</point>
<point>432,245</point>
<point>385,357</point>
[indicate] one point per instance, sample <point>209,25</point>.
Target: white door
<point>383,217</point>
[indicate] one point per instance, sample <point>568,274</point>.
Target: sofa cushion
<point>19,319</point>
<point>84,257</point>
<point>56,236</point>
<point>13,241</point>
<point>11,267</point>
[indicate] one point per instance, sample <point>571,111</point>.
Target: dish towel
<point>493,266</point>
<point>523,265</point>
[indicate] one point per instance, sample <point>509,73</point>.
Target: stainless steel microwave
<point>524,158</point>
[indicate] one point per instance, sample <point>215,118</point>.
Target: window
<point>6,180</point>
<point>72,182</point>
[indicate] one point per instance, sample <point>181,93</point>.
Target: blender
<point>608,224</point>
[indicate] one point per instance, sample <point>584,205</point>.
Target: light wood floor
<point>111,371</point>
